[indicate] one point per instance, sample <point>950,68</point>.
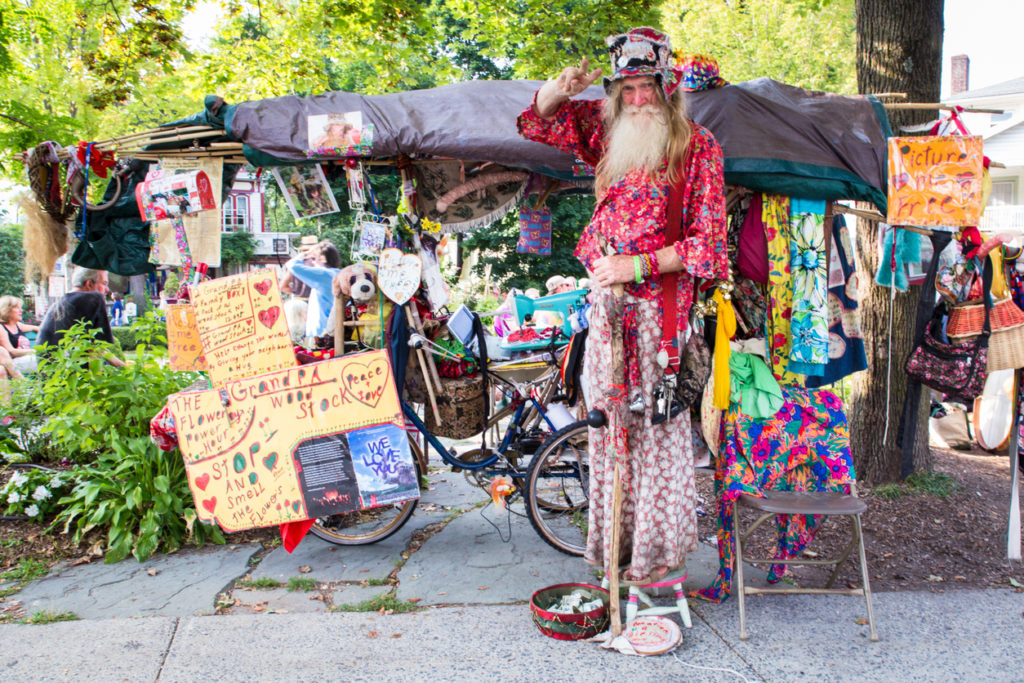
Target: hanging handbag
<point>957,370</point>
<point>694,369</point>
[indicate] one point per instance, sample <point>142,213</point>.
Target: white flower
<point>32,510</point>
<point>56,482</point>
<point>18,479</point>
<point>15,497</point>
<point>41,493</point>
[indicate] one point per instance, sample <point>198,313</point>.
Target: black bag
<point>957,370</point>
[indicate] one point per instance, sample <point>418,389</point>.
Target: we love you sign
<point>298,443</point>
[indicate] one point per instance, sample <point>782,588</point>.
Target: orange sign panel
<point>935,180</point>
<point>184,350</point>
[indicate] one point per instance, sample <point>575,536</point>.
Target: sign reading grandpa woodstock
<point>294,444</point>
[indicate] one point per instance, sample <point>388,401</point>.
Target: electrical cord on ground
<point>711,668</point>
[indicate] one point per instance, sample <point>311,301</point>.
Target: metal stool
<point>797,503</point>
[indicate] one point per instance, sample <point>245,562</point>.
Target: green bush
<point>99,414</point>
<point>124,337</point>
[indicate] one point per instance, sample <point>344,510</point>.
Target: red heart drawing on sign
<point>365,383</point>
<point>269,316</point>
<point>210,504</point>
<point>262,287</point>
<point>202,480</point>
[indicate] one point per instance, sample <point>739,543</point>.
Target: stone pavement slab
<point>276,600</point>
<point>952,636</point>
<point>469,563</point>
<point>102,650</point>
<point>442,644</point>
<point>180,584</point>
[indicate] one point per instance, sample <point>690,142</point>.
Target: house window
<point>236,213</point>
<point>1002,193</point>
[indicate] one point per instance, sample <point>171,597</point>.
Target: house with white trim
<point>1003,136</point>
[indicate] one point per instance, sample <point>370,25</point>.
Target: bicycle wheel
<point>558,489</point>
<point>362,527</point>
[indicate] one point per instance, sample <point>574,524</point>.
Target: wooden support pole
<point>939,105</point>
<point>423,357</point>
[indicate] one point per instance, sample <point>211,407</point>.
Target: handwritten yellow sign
<point>241,323</point>
<point>935,180</point>
<point>184,350</point>
<point>309,441</point>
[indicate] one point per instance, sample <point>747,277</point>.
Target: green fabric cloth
<point>753,386</point>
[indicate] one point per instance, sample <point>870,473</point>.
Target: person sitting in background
<point>12,336</point>
<point>85,303</point>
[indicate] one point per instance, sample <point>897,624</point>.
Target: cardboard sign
<point>306,442</point>
<point>184,349</point>
<point>935,180</point>
<point>242,326</point>
<point>168,195</point>
<point>398,275</point>
<point>339,135</point>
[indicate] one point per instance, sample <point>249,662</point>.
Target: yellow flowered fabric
<point>775,213</point>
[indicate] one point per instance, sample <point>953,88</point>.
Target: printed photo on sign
<point>356,188</point>
<point>383,464</point>
<point>339,135</point>
<point>306,190</point>
<point>168,194</point>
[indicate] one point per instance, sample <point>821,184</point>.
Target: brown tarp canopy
<point>776,138</point>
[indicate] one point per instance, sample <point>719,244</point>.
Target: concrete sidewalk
<point>473,589</point>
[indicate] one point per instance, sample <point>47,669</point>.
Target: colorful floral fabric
<point>803,447</point>
<point>775,213</point>
<point>808,261</point>
<point>633,213</point>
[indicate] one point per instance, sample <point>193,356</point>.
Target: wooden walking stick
<point>616,401</point>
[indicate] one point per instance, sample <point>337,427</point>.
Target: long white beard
<point>638,139</point>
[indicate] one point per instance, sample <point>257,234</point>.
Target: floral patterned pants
<point>659,520</point>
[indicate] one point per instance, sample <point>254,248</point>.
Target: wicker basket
<point>1006,349</point>
<point>569,626</point>
<point>967,319</point>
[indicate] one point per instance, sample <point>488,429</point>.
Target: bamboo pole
<point>152,132</point>
<point>939,105</point>
<point>423,356</point>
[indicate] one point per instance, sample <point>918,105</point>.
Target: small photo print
<point>306,190</point>
<point>339,135</point>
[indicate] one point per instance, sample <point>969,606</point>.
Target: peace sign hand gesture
<point>573,80</point>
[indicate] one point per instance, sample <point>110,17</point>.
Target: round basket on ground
<point>574,626</point>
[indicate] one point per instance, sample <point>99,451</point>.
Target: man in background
<point>85,303</point>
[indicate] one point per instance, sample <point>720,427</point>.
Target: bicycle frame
<point>499,452</point>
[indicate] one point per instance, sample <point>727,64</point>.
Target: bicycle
<point>527,389</point>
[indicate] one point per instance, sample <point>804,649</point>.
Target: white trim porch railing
<point>1006,218</point>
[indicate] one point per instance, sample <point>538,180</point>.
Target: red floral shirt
<point>633,213</point>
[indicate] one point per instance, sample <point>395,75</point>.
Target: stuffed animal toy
<point>295,314</point>
<point>356,285</point>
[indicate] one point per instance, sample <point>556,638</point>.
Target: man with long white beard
<point>643,147</point>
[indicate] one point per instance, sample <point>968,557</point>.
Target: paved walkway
<point>159,620</point>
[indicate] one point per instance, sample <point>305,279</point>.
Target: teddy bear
<point>356,286</point>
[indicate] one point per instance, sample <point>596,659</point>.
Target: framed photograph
<point>306,190</point>
<point>339,135</point>
<point>356,188</point>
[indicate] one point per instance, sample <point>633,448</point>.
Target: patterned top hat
<point>643,51</point>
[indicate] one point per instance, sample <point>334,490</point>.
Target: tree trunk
<point>899,49</point>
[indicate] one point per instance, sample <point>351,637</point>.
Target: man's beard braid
<point>638,139</point>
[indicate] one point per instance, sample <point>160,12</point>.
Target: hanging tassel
<point>724,331</point>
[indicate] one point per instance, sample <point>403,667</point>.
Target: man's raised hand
<point>575,79</point>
